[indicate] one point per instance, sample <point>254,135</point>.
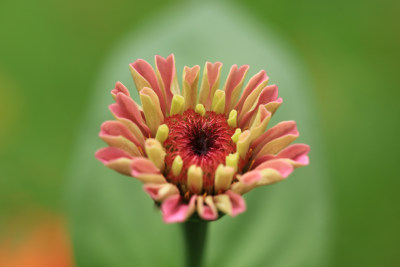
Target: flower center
<point>203,141</point>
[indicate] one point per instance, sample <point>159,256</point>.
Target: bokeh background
<point>51,56</point>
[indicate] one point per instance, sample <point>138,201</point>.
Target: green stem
<point>195,239</point>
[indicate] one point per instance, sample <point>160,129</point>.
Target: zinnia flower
<point>198,153</point>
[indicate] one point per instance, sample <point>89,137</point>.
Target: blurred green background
<point>51,53</point>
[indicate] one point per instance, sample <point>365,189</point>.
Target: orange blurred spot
<point>45,245</point>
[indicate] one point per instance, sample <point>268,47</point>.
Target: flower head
<point>195,152</point>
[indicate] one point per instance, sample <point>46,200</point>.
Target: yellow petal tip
<point>162,133</point>
<point>195,179</point>
<point>177,165</point>
<point>232,160</point>
<point>218,102</point>
<point>235,136</point>
<point>232,119</point>
<point>155,152</point>
<point>200,109</point>
<point>177,105</point>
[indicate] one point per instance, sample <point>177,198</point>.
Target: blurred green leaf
<point>114,222</point>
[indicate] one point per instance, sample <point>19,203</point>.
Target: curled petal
<point>145,171</point>
<point>195,179</point>
<point>209,83</point>
<point>115,159</point>
<point>155,152</point>
<point>126,108</point>
<point>295,154</point>
<point>218,102</point>
<point>233,85</point>
<point>274,105</point>
<point>121,165</point>
<point>230,203</point>
<point>134,129</point>
<point>237,201</point>
<point>223,177</point>
<point>143,165</point>
<point>122,143</point>
<point>115,134</point>
<point>242,145</point>
<point>275,139</point>
<point>260,122</point>
<point>159,192</point>
<point>144,76</point>
<point>119,88</point>
<point>268,94</point>
<point>150,178</point>
<point>190,83</point>
<point>247,182</point>
<point>168,80</point>
<point>265,174</point>
<point>107,154</point>
<point>151,109</point>
<point>116,128</point>
<point>279,165</point>
<point>174,209</point>
<point>257,82</point>
<point>206,208</point>
<point>250,178</point>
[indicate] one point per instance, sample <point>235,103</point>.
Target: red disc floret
<point>203,141</point>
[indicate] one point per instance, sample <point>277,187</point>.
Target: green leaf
<point>114,223</point>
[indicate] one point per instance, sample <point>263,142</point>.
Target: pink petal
<point>174,209</point>
<point>166,68</point>
<point>268,94</point>
<point>267,173</point>
<point>151,108</point>
<point>280,165</point>
<point>119,88</point>
<point>235,77</point>
<point>128,109</point>
<point>274,105</point>
<point>213,71</point>
<point>206,208</point>
<point>147,72</point>
<point>107,154</point>
<point>237,201</point>
<point>281,129</point>
<point>190,86</point>
<point>115,159</point>
<point>258,127</point>
<point>191,73</point>
<point>209,83</point>
<point>143,166</point>
<point>254,82</point>
<point>296,152</point>
<point>247,182</point>
<point>251,177</point>
<point>159,192</point>
<point>116,128</point>
<point>262,159</point>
